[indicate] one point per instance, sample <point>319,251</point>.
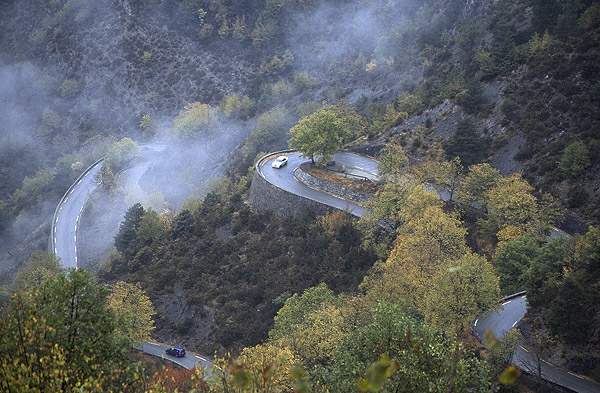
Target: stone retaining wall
<point>330,188</point>
<point>265,196</point>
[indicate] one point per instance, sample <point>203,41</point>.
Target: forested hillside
<point>495,103</point>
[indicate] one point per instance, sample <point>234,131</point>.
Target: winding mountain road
<point>286,179</point>
<point>63,241</point>
<point>499,321</point>
<point>64,245</point>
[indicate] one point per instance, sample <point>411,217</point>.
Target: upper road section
<point>66,218</point>
<point>286,179</point>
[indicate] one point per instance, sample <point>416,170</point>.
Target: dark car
<point>176,351</point>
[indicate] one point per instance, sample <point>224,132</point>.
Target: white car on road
<point>279,162</point>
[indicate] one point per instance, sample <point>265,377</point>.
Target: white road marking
<point>477,320</point>
<point>505,303</point>
<point>515,323</point>
<point>148,342</point>
<point>57,219</point>
<point>80,210</point>
<point>200,357</point>
<point>575,375</point>
<point>55,238</point>
<point>55,250</point>
<point>524,349</point>
<point>54,229</point>
<point>79,181</point>
<point>75,228</point>
<point>75,238</point>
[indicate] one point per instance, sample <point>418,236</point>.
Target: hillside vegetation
<point>496,103</point>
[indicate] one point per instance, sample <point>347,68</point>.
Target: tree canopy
<point>60,336</point>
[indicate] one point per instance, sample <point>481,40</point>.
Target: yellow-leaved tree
<point>424,247</point>
<point>264,368</point>
<point>461,291</point>
<point>195,119</point>
<point>134,311</point>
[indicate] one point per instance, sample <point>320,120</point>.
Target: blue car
<point>176,351</point>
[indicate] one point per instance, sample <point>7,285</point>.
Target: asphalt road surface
<point>189,361</point>
<point>64,241</point>
<point>64,244</point>
<point>285,179</point>
<point>502,320</point>
<point>66,223</point>
<point>499,321</point>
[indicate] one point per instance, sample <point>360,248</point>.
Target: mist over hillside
<point>182,97</point>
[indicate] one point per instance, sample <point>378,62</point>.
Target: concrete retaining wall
<point>265,196</point>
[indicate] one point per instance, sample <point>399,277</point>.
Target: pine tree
<point>128,230</point>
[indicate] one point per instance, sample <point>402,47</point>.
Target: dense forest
<point>495,103</point>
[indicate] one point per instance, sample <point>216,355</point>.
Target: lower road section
<point>503,320</point>
<point>189,361</point>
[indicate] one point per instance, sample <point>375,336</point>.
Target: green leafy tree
<point>315,338</point>
<point>545,273</point>
<point>134,311</point>
<point>574,160</point>
<point>568,315</point>
<point>270,129</point>
<point>465,289</point>
<point>512,261</point>
<point>319,134</point>
<point>397,203</point>
<point>126,239</point>
<point>119,153</point>
<point>424,360</point>
<point>445,175</point>
<point>473,188</point>
<point>424,247</point>
<point>236,106</point>
<point>40,267</point>
<point>511,204</point>
<point>196,119</point>
<point>264,368</point>
<point>296,308</point>
<point>392,161</point>
<point>60,337</point>
<point>152,226</point>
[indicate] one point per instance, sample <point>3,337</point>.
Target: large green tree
<point>41,266</point>
<point>60,337</point>
<point>134,311</point>
<point>318,135</point>
<point>467,288</point>
<point>427,361</point>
